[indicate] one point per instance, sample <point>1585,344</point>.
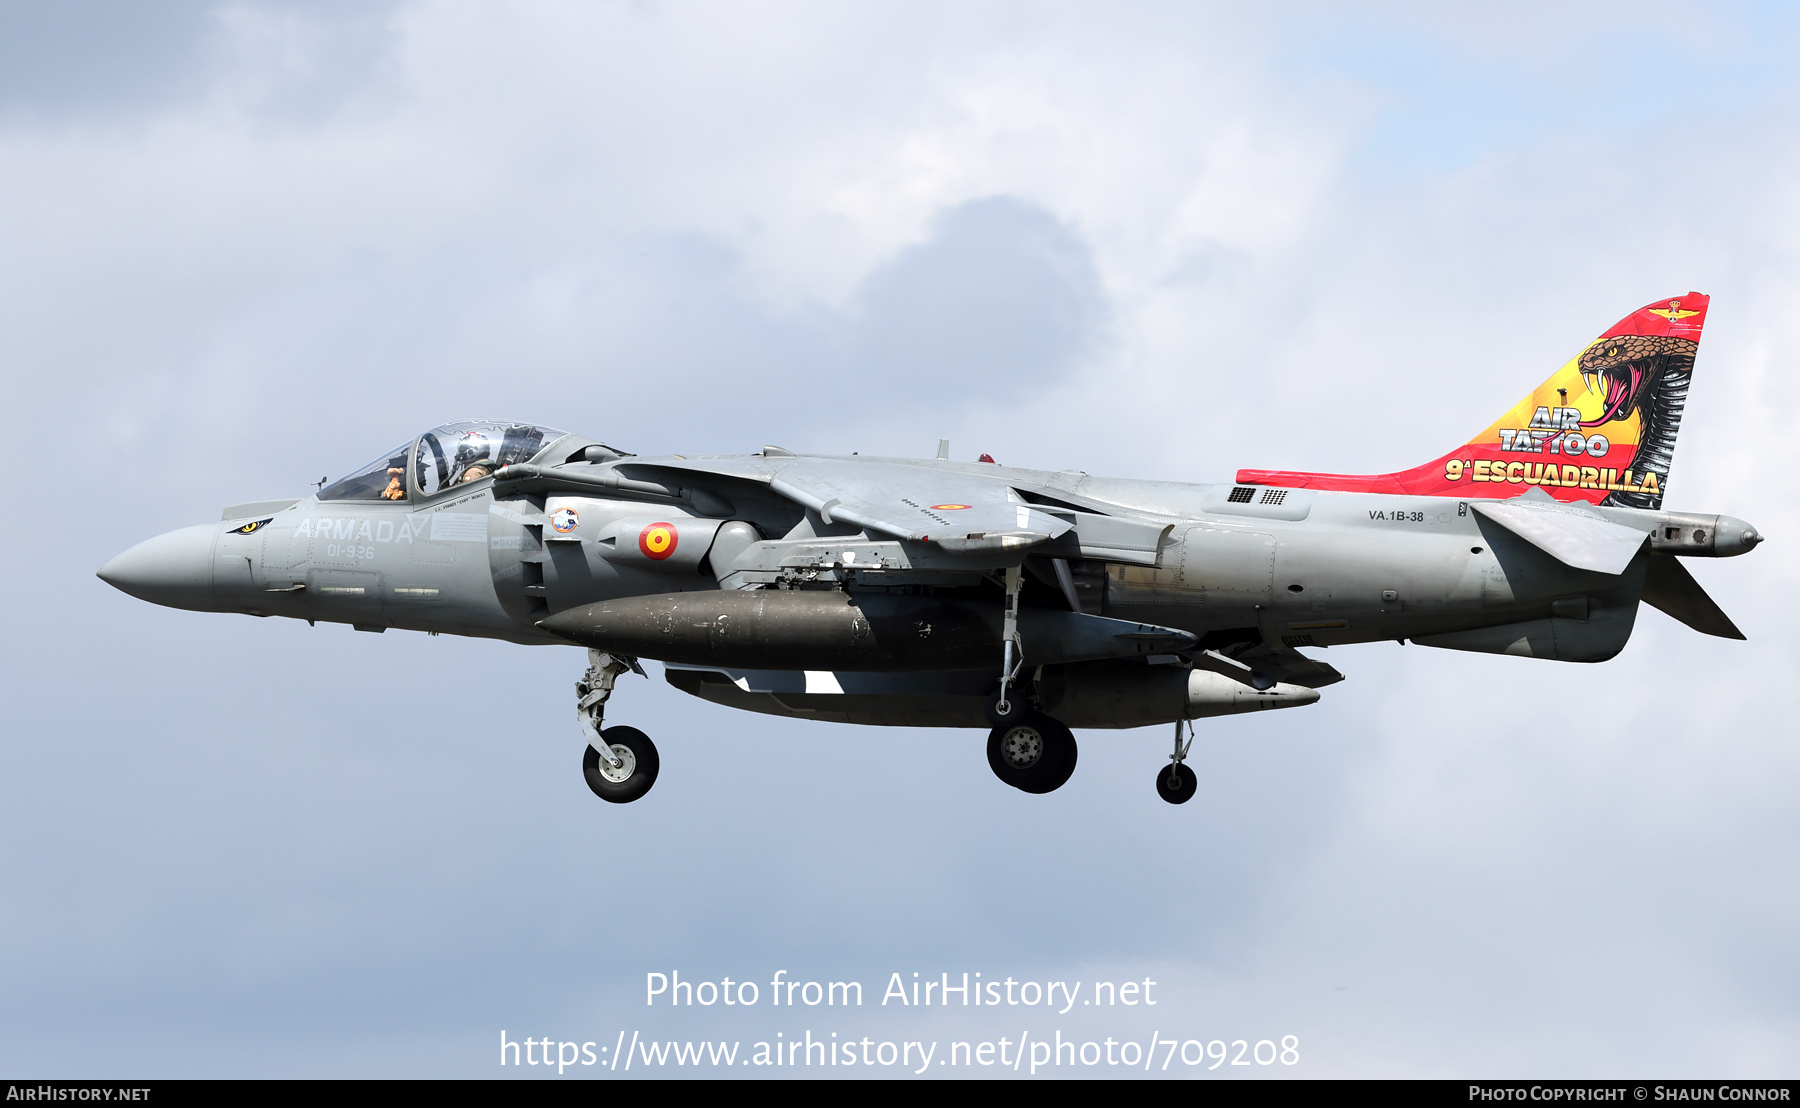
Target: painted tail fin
<point>1601,429</point>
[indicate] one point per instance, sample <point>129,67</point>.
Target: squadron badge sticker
<point>657,541</point>
<point>564,520</point>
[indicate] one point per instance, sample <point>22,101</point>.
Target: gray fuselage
<point>1294,567</point>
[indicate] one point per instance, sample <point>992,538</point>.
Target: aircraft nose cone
<point>173,569</point>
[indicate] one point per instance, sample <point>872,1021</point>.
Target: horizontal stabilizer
<point>1670,588</point>
<point>1569,533</point>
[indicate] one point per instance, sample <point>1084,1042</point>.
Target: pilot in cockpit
<point>472,461</point>
<point>462,453</point>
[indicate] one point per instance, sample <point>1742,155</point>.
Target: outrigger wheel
<point>1034,755</point>
<point>1176,783</point>
<point>624,783</point>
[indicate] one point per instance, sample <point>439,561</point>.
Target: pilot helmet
<point>474,448</point>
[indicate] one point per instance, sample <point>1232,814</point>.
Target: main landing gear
<point>621,763</point>
<point>1027,749</point>
<point>1034,755</point>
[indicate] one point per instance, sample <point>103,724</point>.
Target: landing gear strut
<point>1008,707</point>
<point>1177,784</point>
<point>620,763</point>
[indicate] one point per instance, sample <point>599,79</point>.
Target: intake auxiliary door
<point>516,556</point>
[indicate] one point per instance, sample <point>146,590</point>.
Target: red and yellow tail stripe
<point>1577,436</point>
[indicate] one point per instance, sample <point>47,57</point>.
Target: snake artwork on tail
<point>1646,375</point>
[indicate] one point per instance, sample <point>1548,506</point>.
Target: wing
<point>985,513</point>
<point>915,502</point>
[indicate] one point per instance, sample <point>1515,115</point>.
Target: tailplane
<point>1601,429</point>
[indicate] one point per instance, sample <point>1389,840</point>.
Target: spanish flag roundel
<point>657,541</point>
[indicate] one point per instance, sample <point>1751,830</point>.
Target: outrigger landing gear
<point>1177,784</point>
<point>621,763</point>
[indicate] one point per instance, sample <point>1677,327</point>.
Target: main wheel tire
<point>634,778</point>
<point>1176,783</point>
<point>1035,755</point>
<point>1061,738</point>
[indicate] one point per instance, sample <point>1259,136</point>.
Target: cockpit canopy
<point>443,457</point>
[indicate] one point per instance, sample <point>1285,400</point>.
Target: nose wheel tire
<point>624,783</point>
<point>1176,783</point>
<point>1034,755</point>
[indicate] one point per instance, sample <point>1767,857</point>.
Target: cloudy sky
<point>246,245</point>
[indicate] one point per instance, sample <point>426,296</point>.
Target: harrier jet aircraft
<point>936,593</point>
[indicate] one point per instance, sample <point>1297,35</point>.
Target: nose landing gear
<point>631,770</point>
<point>621,762</point>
